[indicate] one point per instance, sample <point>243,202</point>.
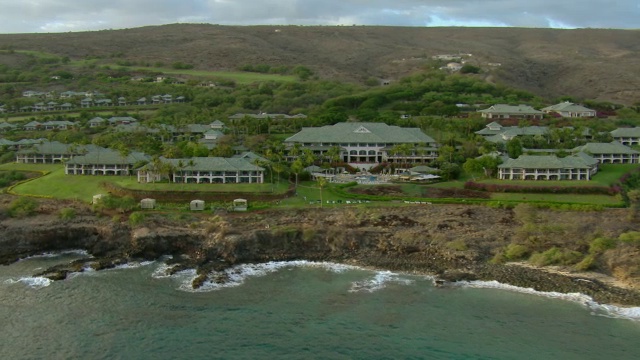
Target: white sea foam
<point>162,271</point>
<point>132,265</point>
<point>56,254</point>
<point>379,281</point>
<point>32,282</point>
<point>236,276</point>
<point>631,313</point>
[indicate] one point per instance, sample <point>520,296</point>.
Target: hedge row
<point>180,196</point>
<point>509,188</point>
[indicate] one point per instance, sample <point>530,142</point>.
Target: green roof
<point>361,132</point>
<point>606,148</point>
<point>567,106</point>
<point>511,109</point>
<point>212,164</point>
<point>626,132</point>
<point>107,157</point>
<point>548,162</point>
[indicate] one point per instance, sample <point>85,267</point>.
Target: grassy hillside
<point>584,63</point>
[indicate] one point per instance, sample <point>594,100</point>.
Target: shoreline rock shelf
<point>452,242</point>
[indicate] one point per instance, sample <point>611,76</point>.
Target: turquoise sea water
<point>298,311</point>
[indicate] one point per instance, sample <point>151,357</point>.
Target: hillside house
<point>502,111</point>
<point>569,110</point>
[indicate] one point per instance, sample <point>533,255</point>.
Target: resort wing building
<point>104,162</point>
<point>610,153</point>
<point>202,170</point>
<point>364,145</point>
<point>627,136</point>
<point>551,167</point>
<point>52,152</point>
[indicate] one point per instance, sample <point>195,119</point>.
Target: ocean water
<point>296,310</point>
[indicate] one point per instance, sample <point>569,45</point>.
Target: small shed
<point>148,203</point>
<point>240,205</point>
<point>197,205</point>
<point>96,198</point>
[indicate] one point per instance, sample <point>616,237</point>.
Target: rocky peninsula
<point>452,242</point>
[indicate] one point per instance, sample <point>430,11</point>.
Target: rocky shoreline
<point>453,242</point>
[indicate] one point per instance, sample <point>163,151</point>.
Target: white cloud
<point>74,15</point>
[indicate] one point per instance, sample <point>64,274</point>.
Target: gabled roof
<point>549,162</point>
<point>566,107</point>
<point>97,120</point>
<point>511,109</point>
<point>626,132</point>
<point>606,148</point>
<point>6,125</point>
<point>212,164</point>
<point>361,132</point>
<point>108,157</point>
<point>251,156</point>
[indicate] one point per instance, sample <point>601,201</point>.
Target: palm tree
<point>322,182</point>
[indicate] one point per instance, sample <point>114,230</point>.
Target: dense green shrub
<point>516,251</point>
<point>67,213</point>
<point>22,207</point>
<point>6,178</point>
<point>136,218</point>
<point>587,263</point>
<point>556,256</point>
<point>631,237</point>
<point>601,244</point>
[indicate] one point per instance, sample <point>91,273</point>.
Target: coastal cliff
<point>453,242</point>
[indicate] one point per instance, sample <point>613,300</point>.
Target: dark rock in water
<point>56,275</point>
<point>199,281</point>
<point>61,271</point>
<point>455,275</point>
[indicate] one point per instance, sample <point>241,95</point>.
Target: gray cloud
<point>76,15</point>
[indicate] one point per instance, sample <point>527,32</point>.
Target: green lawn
<point>58,185</point>
<point>131,182</point>
<point>564,198</point>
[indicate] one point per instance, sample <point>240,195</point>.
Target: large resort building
<point>364,145</point>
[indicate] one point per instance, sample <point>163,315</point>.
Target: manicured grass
<point>58,185</point>
<point>563,198</point>
<point>609,174</point>
<point>131,182</point>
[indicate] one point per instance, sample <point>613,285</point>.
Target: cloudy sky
<point>18,16</point>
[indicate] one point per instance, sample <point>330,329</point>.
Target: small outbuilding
<point>240,205</point>
<point>148,203</point>
<point>196,205</point>
<point>96,198</point>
